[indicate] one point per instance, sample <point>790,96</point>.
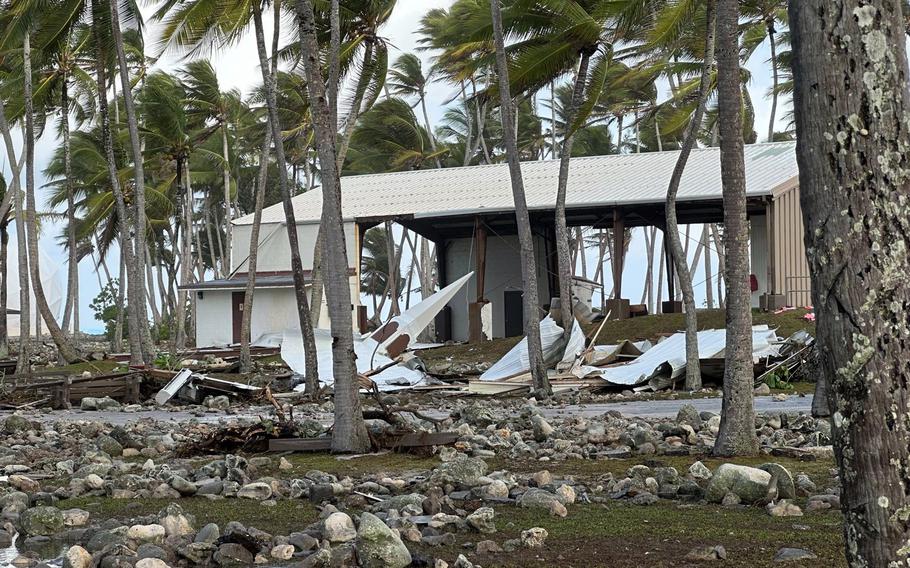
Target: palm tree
<point>525,237</point>
<point>193,23</point>
<point>737,424</point>
<point>693,370</point>
<point>765,18</point>
<point>136,284</point>
<point>408,79</point>
<point>389,138</point>
<point>349,433</point>
<point>208,102</point>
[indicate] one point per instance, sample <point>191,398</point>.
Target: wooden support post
<point>444,317</point>
<point>480,254</point>
<point>475,321</point>
<point>671,306</point>
<point>619,249</point>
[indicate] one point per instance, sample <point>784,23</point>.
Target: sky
<point>237,67</point>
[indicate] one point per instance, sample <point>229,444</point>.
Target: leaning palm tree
<point>20,29</point>
<point>525,237</point>
<point>349,433</point>
<point>389,138</point>
<point>208,102</point>
<point>406,78</point>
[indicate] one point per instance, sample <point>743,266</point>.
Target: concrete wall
<point>274,251</point>
<point>503,273</point>
<point>274,311</point>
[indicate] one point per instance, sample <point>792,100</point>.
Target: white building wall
<point>503,273</point>
<point>213,318</point>
<point>274,251</point>
<point>758,244</point>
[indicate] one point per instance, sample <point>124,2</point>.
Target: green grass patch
<point>390,463</point>
<point>284,518</point>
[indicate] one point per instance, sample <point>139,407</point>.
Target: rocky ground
<point>523,486</point>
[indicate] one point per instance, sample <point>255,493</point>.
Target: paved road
<point>663,408</point>
<point>644,409</point>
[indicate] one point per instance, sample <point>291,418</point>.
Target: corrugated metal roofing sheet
<point>619,179</point>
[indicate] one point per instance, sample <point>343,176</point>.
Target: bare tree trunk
<point>522,219</point>
<point>136,260</point>
<point>72,266</point>
<point>269,76</point>
<point>721,265</point>
<point>123,216</point>
<point>660,279</point>
<point>737,421</point>
<point>64,347</point>
<point>562,231</point>
<point>394,274</point>
<point>4,274</point>
<point>246,321</point>
<point>226,175</point>
<point>693,370</point>
<point>14,197</point>
<point>186,245</point>
<point>851,102</point>
<point>774,78</point>
<point>349,433</point>
<point>117,341</point>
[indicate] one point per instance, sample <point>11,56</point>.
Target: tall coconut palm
<point>693,370</point>
<point>389,138</point>
<point>737,425</point>
<point>522,220</point>
<point>349,433</point>
<point>766,18</point>
<point>408,80</point>
<point>207,101</point>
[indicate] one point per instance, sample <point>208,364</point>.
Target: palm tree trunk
<point>468,125</point>
<point>4,274</point>
<point>64,347</point>
<point>269,76</point>
<point>72,266</point>
<point>207,222</point>
<point>693,370</point>
<point>737,423</point>
<point>562,231</point>
<point>184,194</point>
<point>775,79</point>
<point>228,228</point>
<point>349,433</point>
<point>525,236</point>
<point>136,260</point>
<point>709,271</point>
<point>426,121</point>
<point>246,362</point>
<point>394,270</point>
<point>117,342</point>
<point>854,190</point>
<point>123,216</point>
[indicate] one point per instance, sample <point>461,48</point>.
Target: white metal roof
<point>618,179</point>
